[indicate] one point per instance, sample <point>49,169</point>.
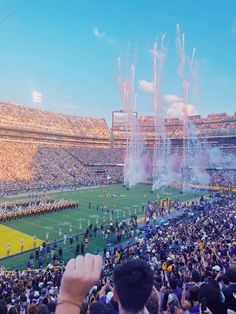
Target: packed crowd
<point>39,161</point>
<point>34,167</point>
<point>212,125</point>
<point>30,166</point>
<point>30,118</point>
<point>186,265</point>
<point>96,156</point>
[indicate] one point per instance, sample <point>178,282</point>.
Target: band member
<point>22,245</point>
<point>35,241</point>
<point>8,249</point>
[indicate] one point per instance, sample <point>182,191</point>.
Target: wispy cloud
<point>146,86</point>
<point>176,106</point>
<point>102,35</point>
<point>71,106</point>
<point>234,27</point>
<point>173,98</point>
<point>97,33</point>
<point>65,105</point>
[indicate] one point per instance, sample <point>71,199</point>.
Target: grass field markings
<point>67,216</point>
<point>38,226</point>
<point>14,237</point>
<point>119,203</point>
<point>54,220</point>
<point>49,228</point>
<point>64,223</point>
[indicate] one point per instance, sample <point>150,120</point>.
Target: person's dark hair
<point>23,298</point>
<point>99,308</point>
<point>196,276</point>
<point>12,310</point>
<point>231,274</point>
<point>3,308</point>
<point>193,294</point>
<point>173,283</point>
<point>133,281</point>
<point>213,298</point>
<point>42,309</point>
<point>45,301</point>
<point>152,306</point>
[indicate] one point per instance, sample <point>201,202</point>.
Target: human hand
<point>80,275</point>
<point>176,310</point>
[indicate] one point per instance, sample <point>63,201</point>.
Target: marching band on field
<point>17,210</point>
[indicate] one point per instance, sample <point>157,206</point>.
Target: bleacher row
<point>34,119</point>
<point>213,125</point>
<point>33,166</point>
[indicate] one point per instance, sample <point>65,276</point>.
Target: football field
<point>54,225</point>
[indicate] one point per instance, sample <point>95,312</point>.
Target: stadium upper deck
<point>214,127</point>
<point>42,126</point>
<point>34,124</point>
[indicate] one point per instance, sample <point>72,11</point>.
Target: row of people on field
<point>35,210</point>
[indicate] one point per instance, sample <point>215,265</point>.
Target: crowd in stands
<point>34,167</point>
<point>212,125</point>
<point>95,156</point>
<point>30,166</point>
<point>29,118</point>
<point>186,265</point>
<point>26,164</point>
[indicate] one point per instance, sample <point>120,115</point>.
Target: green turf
<point>124,200</point>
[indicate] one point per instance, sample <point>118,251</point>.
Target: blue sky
<point>68,50</point>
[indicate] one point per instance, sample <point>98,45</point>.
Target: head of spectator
<point>211,296</point>
<point>99,308</point>
<point>231,274</point>
<point>133,282</point>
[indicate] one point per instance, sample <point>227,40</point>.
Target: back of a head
<point>152,306</point>
<point>133,282</point>
<point>196,276</point>
<point>231,274</point>
<point>193,293</point>
<point>12,310</point>
<point>3,308</point>
<point>42,309</point>
<point>99,308</point>
<point>212,298</point>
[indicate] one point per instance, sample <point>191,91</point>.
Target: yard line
<point>37,225</point>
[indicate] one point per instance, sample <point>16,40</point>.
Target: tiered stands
<point>34,124</point>
<point>213,126</point>
<point>42,150</point>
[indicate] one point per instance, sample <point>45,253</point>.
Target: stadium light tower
<point>37,99</point>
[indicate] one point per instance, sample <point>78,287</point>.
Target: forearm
<point>183,299</point>
<point>68,307</point>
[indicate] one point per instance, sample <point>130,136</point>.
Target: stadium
<point>58,183</point>
<point>125,209</point>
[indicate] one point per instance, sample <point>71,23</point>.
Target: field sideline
<point>123,201</point>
